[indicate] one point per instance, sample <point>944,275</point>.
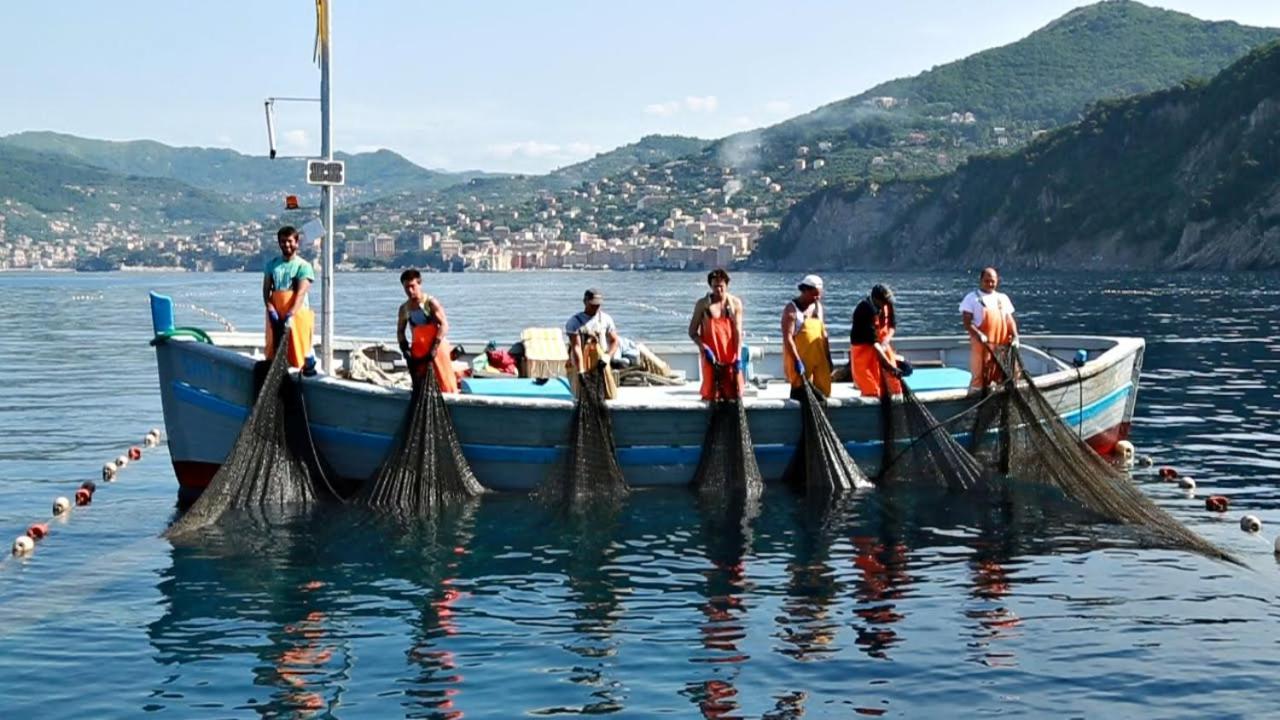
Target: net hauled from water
<point>425,468</point>
<point>727,468</point>
<point>588,473</point>
<point>1032,442</point>
<point>917,447</point>
<point>272,466</point>
<point>821,465</point>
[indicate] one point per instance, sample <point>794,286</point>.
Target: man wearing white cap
<point>804,338</point>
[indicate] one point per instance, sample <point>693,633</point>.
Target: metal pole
<point>326,200</point>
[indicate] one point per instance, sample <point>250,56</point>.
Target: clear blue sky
<point>517,86</point>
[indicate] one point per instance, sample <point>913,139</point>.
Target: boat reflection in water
<point>503,607</point>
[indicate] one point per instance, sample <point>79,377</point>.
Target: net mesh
<point>588,473</point>
<point>727,465</point>
<point>425,469</point>
<point>820,465</point>
<point>273,463</point>
<point>917,447</point>
<point>1033,443</point>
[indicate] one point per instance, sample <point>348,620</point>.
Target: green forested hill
<point>232,173</point>
<point>1187,177</point>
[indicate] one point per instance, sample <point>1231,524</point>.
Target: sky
<point>501,86</point>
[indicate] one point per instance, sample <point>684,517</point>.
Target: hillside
<point>1183,178</point>
<point>649,149</point>
<point>45,195</point>
<point>234,174</point>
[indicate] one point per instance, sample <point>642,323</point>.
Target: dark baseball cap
<point>593,297</point>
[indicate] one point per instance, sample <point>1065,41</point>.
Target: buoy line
<point>25,544</point>
<point>221,320</point>
<point>1125,456</point>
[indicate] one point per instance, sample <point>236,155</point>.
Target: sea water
<point>920,606</point>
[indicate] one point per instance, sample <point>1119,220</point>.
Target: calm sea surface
<point>932,608</point>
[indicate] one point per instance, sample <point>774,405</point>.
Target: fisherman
<point>871,352</point>
<point>987,316</point>
<point>716,328</point>
<point>285,283</point>
<point>592,336</point>
<point>806,350</point>
<point>426,343</point>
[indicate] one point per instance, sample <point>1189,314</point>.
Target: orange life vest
<point>303,323</point>
<point>717,334</point>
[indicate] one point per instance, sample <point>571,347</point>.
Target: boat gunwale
<point>1121,348</point>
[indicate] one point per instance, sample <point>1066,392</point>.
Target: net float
<point>83,497</point>
<point>121,462</point>
<point>61,505</point>
<point>1168,474</point>
<point>89,485</point>
<point>1123,453</point>
<point>1216,503</point>
<point>23,545</point>
<point>1250,523</point>
<point>135,453</point>
<point>1187,483</point>
<point>37,531</point>
<point>108,472</point>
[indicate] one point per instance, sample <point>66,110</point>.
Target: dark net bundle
<point>273,464</point>
<point>917,447</point>
<point>425,469</point>
<point>820,465</point>
<point>1034,443</point>
<point>588,473</point>
<point>727,466</point>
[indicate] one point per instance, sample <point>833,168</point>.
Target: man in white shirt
<point>593,325</point>
<point>987,316</point>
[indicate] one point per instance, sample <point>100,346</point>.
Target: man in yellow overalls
<point>805,349</point>
<point>285,283</point>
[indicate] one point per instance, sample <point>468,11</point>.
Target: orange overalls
<point>303,322</point>
<point>983,368</point>
<point>867,371</point>
<point>426,337</point>
<point>718,334</point>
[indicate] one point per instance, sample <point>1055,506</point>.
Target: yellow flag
<point>322,29</point>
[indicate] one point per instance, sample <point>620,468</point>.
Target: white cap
<point>812,281</point>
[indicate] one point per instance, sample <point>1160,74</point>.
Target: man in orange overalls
<point>426,344</point>
<point>716,328</point>
<point>987,316</point>
<point>875,366</point>
<point>285,283</point>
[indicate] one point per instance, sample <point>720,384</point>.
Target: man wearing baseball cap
<point>805,349</point>
<point>592,334</point>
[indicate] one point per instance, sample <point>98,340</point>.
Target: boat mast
<point>326,195</point>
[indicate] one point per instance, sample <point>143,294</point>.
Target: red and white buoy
<point>38,531</point>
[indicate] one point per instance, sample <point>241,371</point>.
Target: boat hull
<point>511,443</point>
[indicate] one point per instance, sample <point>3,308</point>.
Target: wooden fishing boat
<point>513,429</point>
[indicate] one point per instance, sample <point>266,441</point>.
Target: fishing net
<point>273,463</point>
<point>820,465</point>
<point>588,474</point>
<point>727,465</point>
<point>917,447</point>
<point>425,469</point>
<point>1034,443</point>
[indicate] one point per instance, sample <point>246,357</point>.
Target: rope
<point>211,315</point>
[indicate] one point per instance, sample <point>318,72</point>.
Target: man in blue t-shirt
<point>285,283</point>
